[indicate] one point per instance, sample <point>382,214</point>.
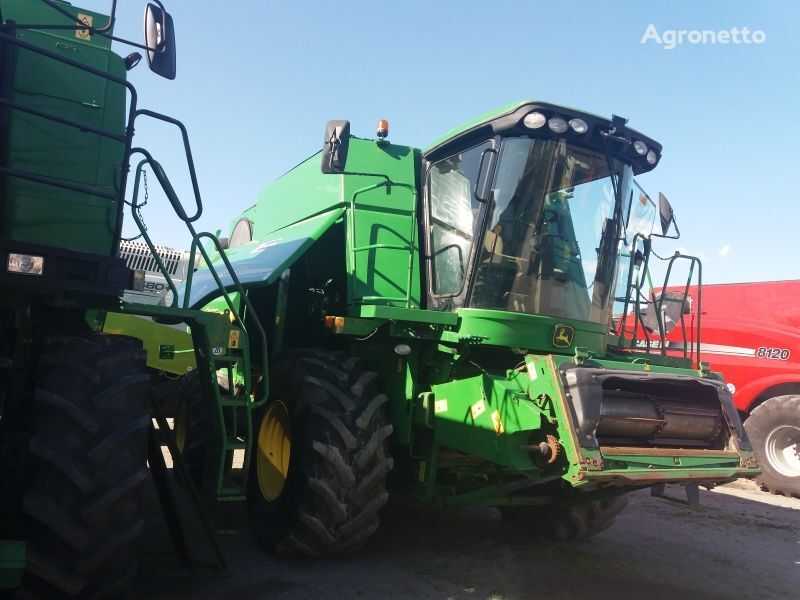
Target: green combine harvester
<point>75,404</point>
<point>451,324</point>
<point>463,324</point>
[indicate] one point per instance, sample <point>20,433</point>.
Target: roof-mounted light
<point>640,147</point>
<point>557,125</point>
<point>578,125</point>
<point>534,120</point>
<point>383,129</point>
<point>651,157</point>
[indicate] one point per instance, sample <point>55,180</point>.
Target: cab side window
<point>453,218</point>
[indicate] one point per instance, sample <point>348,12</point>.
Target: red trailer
<point>750,332</point>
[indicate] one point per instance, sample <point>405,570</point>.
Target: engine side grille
<point>138,256</point>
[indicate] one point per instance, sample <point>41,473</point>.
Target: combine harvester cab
<point>440,322</point>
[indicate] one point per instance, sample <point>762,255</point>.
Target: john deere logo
<point>563,336</point>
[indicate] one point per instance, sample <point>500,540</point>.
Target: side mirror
<point>335,145</point>
<point>159,37</point>
<point>666,213</point>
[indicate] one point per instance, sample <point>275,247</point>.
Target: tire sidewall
<point>777,411</point>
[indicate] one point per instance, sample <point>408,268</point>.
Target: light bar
<point>587,130</point>
<point>25,264</point>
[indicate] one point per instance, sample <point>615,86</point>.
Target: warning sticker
<point>477,409</point>
<point>84,34</point>
<point>532,370</point>
<point>440,405</point>
<point>497,422</point>
<point>233,338</point>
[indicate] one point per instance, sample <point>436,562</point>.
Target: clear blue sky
<point>258,80</point>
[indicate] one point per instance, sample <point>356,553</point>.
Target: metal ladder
<point>232,407</point>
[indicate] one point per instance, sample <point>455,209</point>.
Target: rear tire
<point>318,474</point>
<point>88,463</point>
<point>566,523</point>
<point>774,431</point>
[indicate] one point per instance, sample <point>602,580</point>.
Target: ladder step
<point>231,494</point>
<point>231,491</point>
<point>234,401</point>
<point>233,443</point>
<point>226,359</point>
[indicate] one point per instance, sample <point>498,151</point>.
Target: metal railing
<point>8,40</point>
<point>635,333</point>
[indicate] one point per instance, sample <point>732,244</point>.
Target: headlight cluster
<point>536,120</point>
<point>559,125</point>
<point>641,149</point>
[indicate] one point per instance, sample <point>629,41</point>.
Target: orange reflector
<point>339,322</point>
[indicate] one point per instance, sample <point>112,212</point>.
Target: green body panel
<point>40,213</point>
<point>382,253</point>
<point>168,349</point>
<point>297,195</point>
<point>470,414</point>
<point>520,330</point>
<point>259,263</point>
<point>409,315</point>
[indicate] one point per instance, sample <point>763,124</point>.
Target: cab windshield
<point>551,236</point>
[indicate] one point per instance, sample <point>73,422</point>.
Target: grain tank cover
<point>261,262</point>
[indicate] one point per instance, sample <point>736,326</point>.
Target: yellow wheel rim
<point>274,449</point>
<point>179,426</point>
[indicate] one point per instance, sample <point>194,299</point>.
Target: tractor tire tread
<point>765,417</point>
<point>85,499</point>
<point>340,460</point>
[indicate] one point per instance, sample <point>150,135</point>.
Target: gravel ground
<point>741,543</point>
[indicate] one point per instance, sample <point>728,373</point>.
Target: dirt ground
<point>741,543</point>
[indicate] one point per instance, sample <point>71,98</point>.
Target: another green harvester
<point>75,412</point>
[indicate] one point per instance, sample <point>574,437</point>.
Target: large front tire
<point>318,474</point>
<point>89,453</point>
<point>774,431</point>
